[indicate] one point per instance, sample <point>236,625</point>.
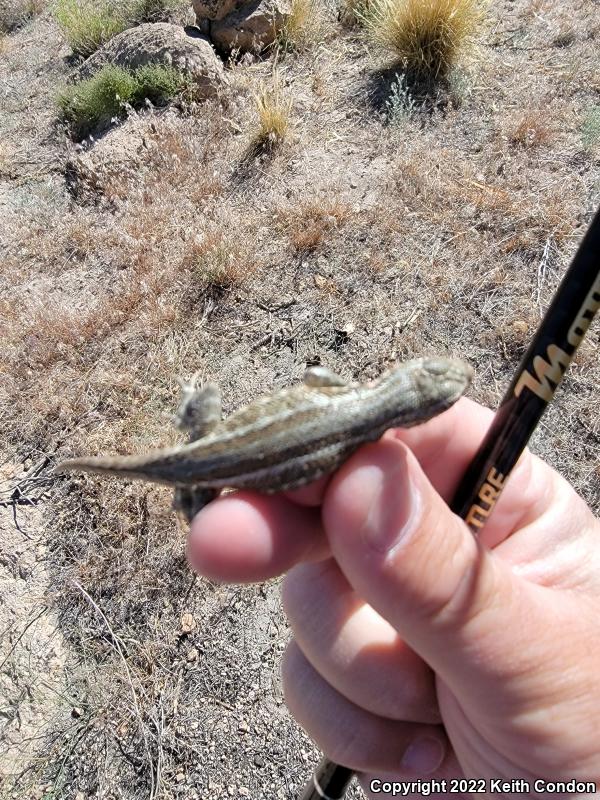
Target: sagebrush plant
<point>429,37</point>
<point>400,105</point>
<point>273,110</point>
<point>93,103</point>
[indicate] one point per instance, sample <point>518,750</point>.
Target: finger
<point>444,447</point>
<point>246,537</point>
<point>354,649</point>
<point>449,780</point>
<point>311,494</point>
<point>416,563</point>
<point>352,736</point>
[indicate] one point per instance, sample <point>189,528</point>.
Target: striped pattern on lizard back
<point>296,435</point>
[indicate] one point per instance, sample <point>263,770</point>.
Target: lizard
<point>289,438</point>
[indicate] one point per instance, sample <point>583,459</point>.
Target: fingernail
<point>393,500</point>
<point>424,756</point>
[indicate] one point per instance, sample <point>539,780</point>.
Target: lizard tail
<point>124,466</point>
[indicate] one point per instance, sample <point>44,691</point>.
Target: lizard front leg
<point>198,413</point>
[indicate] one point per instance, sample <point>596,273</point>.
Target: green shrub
<point>590,130</point>
<point>92,103</point>
<point>87,25</point>
<point>427,37</point>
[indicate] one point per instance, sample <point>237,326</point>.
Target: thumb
<point>402,549</point>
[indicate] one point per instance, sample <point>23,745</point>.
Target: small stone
<point>76,712</point>
<point>259,761</point>
<point>243,727</point>
<point>188,623</point>
<point>180,777</point>
<point>192,654</point>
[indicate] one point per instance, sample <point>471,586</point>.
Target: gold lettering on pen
<point>487,497</point>
<point>549,371</point>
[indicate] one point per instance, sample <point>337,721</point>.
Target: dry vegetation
<point>273,112</point>
<point>165,250</point>
<point>14,13</point>
<point>426,37</point>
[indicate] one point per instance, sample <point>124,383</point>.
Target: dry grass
<point>310,226</point>
<point>532,130</point>
<point>273,110</point>
<point>304,25</point>
<point>216,261</point>
<point>14,13</point>
<point>426,37</point>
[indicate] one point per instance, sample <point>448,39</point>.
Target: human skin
<point>420,651</point>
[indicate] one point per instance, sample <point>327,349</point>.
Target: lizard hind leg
<point>198,413</point>
<point>199,409</point>
<point>189,500</point>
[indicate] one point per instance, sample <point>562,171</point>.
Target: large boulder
<point>252,27</point>
<point>162,43</point>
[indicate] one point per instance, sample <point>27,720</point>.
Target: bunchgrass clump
<point>273,109</point>
<point>303,26</point>
<point>151,10</point>
<point>93,103</point>
<point>87,25</point>
<point>428,37</point>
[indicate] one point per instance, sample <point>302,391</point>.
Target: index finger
<point>247,536</point>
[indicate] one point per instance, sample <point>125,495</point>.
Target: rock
<point>252,27</point>
<point>162,43</point>
<point>108,164</point>
<point>188,623</point>
<point>215,9</point>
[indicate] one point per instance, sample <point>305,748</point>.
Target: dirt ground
<point>169,247</point>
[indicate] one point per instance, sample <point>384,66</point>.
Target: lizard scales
<point>295,435</point>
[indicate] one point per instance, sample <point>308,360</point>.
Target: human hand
<point>420,651</point>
